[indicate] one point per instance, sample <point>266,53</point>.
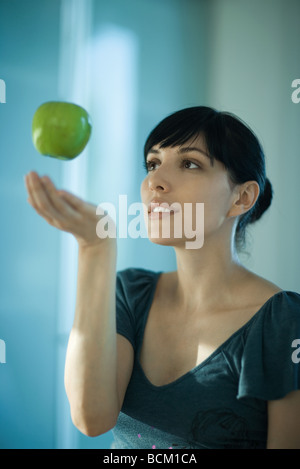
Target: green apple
<point>61,129</point>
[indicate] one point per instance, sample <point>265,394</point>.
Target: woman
<point>204,357</point>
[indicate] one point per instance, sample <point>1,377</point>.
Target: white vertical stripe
<point>73,87</point>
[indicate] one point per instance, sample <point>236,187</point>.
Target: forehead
<point>197,141</point>
<point>196,144</point>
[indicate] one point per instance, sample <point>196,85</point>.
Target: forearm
<point>91,361</point>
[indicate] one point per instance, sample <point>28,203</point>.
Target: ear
<point>245,197</point>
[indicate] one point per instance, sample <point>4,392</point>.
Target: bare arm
<point>91,361</point>
<point>98,362</point>
<point>284,422</point>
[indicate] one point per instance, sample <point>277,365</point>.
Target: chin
<point>170,232</point>
<point>163,241</point>
<point>167,241</point>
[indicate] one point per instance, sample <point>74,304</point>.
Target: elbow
<point>92,426</point>
<point>91,430</point>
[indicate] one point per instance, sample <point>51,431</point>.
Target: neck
<point>207,278</point>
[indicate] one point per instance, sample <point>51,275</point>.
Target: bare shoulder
<point>248,294</point>
<point>166,283</point>
<point>253,283</point>
<point>261,288</point>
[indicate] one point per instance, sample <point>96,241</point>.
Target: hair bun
<point>263,202</point>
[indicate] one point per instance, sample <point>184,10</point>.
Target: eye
<point>148,165</point>
<point>185,162</point>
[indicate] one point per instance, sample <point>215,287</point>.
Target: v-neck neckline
<point>207,359</point>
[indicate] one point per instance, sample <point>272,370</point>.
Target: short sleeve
<point>270,366</point>
<point>124,310</point>
<point>134,293</point>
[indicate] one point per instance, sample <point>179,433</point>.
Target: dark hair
<point>228,140</point>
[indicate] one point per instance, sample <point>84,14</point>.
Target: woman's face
<point>185,175</point>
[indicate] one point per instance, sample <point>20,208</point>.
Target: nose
<point>158,182</point>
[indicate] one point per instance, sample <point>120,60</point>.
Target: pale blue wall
<point>28,64</point>
<point>30,249</point>
<point>180,53</point>
<point>254,58</point>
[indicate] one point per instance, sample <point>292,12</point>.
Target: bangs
<point>184,126</point>
<point>227,138</point>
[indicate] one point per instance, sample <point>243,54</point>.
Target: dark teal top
<point>221,403</point>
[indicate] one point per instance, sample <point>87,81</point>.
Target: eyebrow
<point>183,150</point>
<point>188,149</point>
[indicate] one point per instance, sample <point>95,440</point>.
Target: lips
<point>158,209</point>
<point>161,209</point>
<point>157,206</point>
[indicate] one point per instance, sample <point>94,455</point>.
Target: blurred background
<point>129,63</point>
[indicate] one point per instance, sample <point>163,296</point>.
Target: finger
<point>74,201</point>
<point>59,203</point>
<point>77,203</point>
<point>39,197</point>
<point>29,188</point>
<point>49,219</point>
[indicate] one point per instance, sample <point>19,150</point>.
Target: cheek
<point>144,199</point>
<point>143,190</point>
<point>216,201</point>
